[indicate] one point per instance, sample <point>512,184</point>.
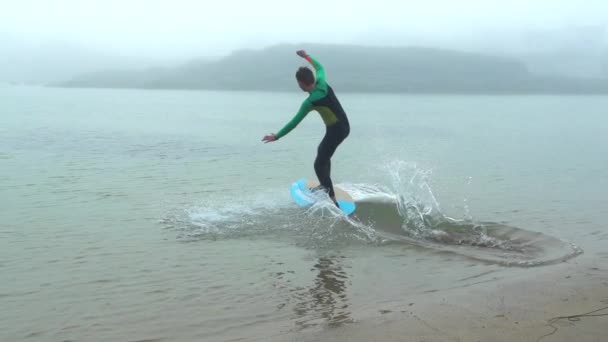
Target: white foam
<point>361,192</point>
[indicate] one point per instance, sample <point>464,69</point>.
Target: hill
<point>350,68</point>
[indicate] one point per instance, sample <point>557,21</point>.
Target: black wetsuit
<point>323,100</point>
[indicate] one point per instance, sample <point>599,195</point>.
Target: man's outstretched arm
<point>305,108</point>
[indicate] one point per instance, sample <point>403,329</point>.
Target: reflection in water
<point>324,302</point>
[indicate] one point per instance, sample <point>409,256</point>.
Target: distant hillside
<point>351,68</point>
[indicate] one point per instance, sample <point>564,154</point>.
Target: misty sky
<point>187,28</point>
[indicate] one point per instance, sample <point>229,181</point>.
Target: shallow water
<point>134,215</point>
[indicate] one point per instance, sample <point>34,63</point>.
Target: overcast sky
<point>174,28</point>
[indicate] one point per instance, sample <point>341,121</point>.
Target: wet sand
<point>531,305</point>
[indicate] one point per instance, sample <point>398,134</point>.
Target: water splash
<point>422,215</point>
<point>415,200</point>
<point>408,211</point>
<point>404,211</point>
<point>322,225</point>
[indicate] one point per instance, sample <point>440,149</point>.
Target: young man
<point>322,99</point>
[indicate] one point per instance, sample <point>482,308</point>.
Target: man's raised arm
<point>320,71</point>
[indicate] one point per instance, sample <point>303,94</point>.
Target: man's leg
<point>322,163</point>
<point>326,149</point>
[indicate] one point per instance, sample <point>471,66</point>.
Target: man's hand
<point>302,53</point>
<point>269,138</point>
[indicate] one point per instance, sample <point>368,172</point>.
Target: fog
<point>168,32</point>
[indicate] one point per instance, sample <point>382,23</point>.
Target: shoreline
<point>532,305</point>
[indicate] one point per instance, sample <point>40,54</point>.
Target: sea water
<point>160,215</point>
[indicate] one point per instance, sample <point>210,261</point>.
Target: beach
<point>557,304</point>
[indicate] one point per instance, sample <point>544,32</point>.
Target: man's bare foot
<point>335,202</point>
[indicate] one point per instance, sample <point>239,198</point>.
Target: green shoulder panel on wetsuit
<point>305,108</point>
<point>319,92</point>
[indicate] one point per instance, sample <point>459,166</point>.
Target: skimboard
<point>304,197</point>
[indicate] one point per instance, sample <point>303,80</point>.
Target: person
<point>322,99</point>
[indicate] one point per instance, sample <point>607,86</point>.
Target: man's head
<point>306,79</point>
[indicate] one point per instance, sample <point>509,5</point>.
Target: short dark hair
<point>305,76</point>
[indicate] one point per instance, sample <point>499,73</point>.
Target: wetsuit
<point>323,100</point>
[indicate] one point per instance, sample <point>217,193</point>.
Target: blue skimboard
<point>300,191</point>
